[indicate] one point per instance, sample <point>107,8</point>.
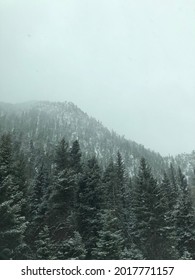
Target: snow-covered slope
<point>45,123</point>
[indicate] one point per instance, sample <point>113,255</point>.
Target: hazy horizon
<point>129,64</point>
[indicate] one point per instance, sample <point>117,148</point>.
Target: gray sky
<point>128,63</point>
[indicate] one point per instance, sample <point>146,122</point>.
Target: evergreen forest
<point>67,207</point>
<point>72,190</point>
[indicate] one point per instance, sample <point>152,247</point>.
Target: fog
<point>128,63</point>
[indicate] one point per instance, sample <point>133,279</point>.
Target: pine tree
<point>151,231</point>
<point>120,180</point>
<point>37,205</point>
<point>72,248</point>
<point>123,195</point>
<point>62,194</point>
<point>10,230</point>
<point>75,157</point>
<point>12,224</point>
<point>109,186</point>
<point>185,219</point>
<point>20,178</point>
<point>62,202</point>
<point>62,157</point>
<point>173,194</point>
<point>117,192</point>
<point>38,189</point>
<point>166,186</point>
<point>90,201</point>
<point>110,243</point>
<point>5,156</point>
<point>44,246</point>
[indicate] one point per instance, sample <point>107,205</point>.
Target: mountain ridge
<point>51,121</point>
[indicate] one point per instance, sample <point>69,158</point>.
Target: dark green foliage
<point>75,157</point>
<point>152,231</point>
<point>110,243</point>
<point>5,156</point>
<point>37,191</point>
<point>90,201</point>
<point>120,184</point>
<point>185,220</point>
<point>37,205</point>
<point>174,191</point>
<point>72,248</point>
<point>62,158</point>
<point>10,230</point>
<point>62,201</point>
<point>117,193</point>
<point>122,195</point>
<point>12,223</point>
<point>109,186</point>
<point>62,193</point>
<point>57,204</point>
<point>43,245</point>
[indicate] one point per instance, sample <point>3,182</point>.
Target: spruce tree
<point>37,205</point>
<point>62,155</point>
<point>6,155</point>
<point>62,195</point>
<point>185,219</point>
<point>12,224</point>
<point>72,248</point>
<point>61,204</point>
<point>90,201</point>
<point>151,231</point>
<point>174,189</point>
<point>123,195</point>
<point>109,186</point>
<point>11,231</point>
<point>44,245</point>
<point>110,242</point>
<point>75,157</point>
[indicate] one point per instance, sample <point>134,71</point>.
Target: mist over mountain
<point>45,123</point>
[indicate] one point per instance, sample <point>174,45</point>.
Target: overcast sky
<point>128,63</point>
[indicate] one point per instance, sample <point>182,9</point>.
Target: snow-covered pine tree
<point>12,223</point>
<point>75,157</point>
<point>90,201</point>
<point>123,195</point>
<point>62,194</point>
<point>61,202</point>
<point>62,155</point>
<point>117,193</point>
<point>72,248</point>
<point>174,190</point>
<point>110,242</point>
<point>37,205</point>
<point>44,247</point>
<point>185,219</point>
<point>6,160</point>
<point>151,231</point>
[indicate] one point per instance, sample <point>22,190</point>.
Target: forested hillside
<point>71,189</point>
<point>45,123</point>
